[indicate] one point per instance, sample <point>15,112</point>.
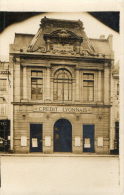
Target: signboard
<point>65,109</point>
<point>34,142</point>
<point>87,143</point>
<point>100,141</point>
<point>1,141</point>
<point>66,47</point>
<point>5,124</point>
<point>47,141</point>
<point>77,141</point>
<point>23,140</point>
<point>4,72</point>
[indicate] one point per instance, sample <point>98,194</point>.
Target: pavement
<point>59,174</point>
<point>56,154</point>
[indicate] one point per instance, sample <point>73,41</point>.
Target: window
<point>117,89</point>
<point>88,87</point>
<point>62,88</point>
<point>117,136</point>
<point>37,85</point>
<point>3,85</point>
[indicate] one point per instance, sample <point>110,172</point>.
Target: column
<point>112,114</point>
<point>112,128</point>
<point>99,86</point>
<point>77,87</point>
<point>17,80</point>
<point>95,87</point>
<point>48,45</point>
<point>25,89</point>
<point>81,86</point>
<point>47,86</point>
<point>106,84</point>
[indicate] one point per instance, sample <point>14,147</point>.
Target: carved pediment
<point>61,40</point>
<point>63,36</point>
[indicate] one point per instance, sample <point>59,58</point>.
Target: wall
<point>24,115</point>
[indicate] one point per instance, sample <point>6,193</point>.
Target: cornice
<point>66,57</point>
<point>62,104</point>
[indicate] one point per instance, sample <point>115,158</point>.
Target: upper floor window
<point>3,85</point>
<point>117,89</point>
<point>37,85</point>
<point>62,86</point>
<point>88,87</point>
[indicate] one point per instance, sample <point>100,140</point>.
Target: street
<point>56,175</point>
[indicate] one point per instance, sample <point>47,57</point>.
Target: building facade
<point>5,106</point>
<point>61,90</point>
<point>115,109</point>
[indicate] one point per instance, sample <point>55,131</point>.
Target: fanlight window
<point>62,86</point>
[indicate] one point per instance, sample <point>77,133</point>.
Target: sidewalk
<point>54,174</point>
<point>57,155</point>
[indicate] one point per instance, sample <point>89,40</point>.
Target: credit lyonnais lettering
<point>62,109</point>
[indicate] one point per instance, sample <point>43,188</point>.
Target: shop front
<point>4,135</point>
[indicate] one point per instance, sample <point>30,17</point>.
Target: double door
<point>62,136</point>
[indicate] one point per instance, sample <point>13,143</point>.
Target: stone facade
<point>115,109</point>
<point>5,82</point>
<point>5,105</point>
<point>60,73</point>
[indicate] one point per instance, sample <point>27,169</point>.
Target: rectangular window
<point>88,87</point>
<point>117,89</point>
<point>3,86</point>
<point>117,137</point>
<point>37,85</point>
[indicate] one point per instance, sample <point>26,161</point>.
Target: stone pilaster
<point>17,80</point>
<point>77,86</point>
<point>25,89</point>
<point>99,86</point>
<point>106,84</point>
<point>47,85</point>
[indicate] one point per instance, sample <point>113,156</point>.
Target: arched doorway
<point>62,136</point>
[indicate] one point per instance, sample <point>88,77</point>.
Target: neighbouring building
<point>61,90</point>
<point>5,106</point>
<point>115,109</point>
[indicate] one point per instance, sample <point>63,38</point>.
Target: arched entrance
<point>62,136</point>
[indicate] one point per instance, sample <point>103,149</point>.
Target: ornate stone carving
<point>62,36</point>
<point>46,22</point>
<point>41,49</point>
<point>64,42</point>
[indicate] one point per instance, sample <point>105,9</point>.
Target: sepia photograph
<point>59,102</point>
